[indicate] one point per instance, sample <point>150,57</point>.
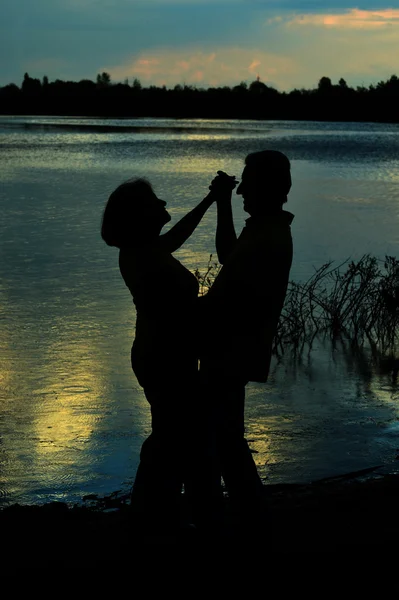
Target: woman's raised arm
<point>176,236</point>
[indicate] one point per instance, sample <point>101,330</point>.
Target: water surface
<point>72,415</point>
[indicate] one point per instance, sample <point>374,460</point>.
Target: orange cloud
<point>273,20</point>
<point>352,19</point>
<point>183,64</point>
<point>198,76</point>
<point>146,63</point>
<point>226,66</point>
<point>252,67</point>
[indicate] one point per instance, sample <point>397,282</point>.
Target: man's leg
<point>202,479</point>
<point>238,467</point>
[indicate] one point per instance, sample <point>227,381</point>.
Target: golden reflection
<point>201,164</point>
<point>196,137</point>
<point>75,391</point>
<point>7,354</point>
<point>60,399</point>
<point>49,158</point>
<point>70,402</point>
<point>262,434</point>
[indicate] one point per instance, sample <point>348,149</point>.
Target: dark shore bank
<point>355,515</point>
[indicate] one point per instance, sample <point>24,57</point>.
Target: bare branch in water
<point>356,299</point>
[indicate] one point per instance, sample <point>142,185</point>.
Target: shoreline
<point>353,513</point>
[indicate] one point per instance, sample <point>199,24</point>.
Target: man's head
<point>265,182</point>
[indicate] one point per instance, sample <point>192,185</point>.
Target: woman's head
<point>133,214</point>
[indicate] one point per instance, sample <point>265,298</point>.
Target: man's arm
<point>176,236</point>
<point>226,236</point>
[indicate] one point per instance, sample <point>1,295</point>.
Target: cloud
<point>352,19</point>
<point>224,66</point>
<point>288,43</point>
<point>254,65</point>
<point>358,44</point>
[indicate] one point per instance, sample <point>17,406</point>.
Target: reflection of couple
<point>198,416</point>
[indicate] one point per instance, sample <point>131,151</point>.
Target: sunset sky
<point>288,43</point>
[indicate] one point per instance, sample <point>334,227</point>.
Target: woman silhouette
<point>164,354</point>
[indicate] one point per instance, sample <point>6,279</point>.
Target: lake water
<point>72,415</point>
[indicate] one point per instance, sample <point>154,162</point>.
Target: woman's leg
<point>156,494</point>
<point>178,450</point>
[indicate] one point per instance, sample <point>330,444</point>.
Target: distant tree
<point>393,84</point>
<point>11,87</point>
<point>257,87</point>
<point>325,85</point>
<point>256,100</point>
<point>11,90</point>
<point>31,85</point>
<point>103,79</point>
<point>242,88</point>
<point>10,96</point>
<point>88,83</point>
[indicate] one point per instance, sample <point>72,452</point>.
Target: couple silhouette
<point>194,355</point>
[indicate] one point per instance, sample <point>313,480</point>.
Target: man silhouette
<point>242,311</point>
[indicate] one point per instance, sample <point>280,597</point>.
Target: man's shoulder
<point>282,219</point>
<point>264,233</point>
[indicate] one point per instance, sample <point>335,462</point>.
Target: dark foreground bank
<point>354,515</point>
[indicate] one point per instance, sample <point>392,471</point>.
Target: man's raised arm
<point>226,236</point>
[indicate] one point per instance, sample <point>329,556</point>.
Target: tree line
<point>103,98</point>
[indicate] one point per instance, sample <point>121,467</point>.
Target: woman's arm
<point>179,233</point>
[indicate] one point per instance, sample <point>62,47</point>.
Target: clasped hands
<point>223,183</point>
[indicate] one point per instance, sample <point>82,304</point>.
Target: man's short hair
<point>274,167</point>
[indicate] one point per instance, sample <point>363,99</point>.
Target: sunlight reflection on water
<point>72,415</point>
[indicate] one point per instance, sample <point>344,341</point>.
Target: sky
<point>287,43</point>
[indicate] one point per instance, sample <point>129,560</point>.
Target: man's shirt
<point>243,306</point>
